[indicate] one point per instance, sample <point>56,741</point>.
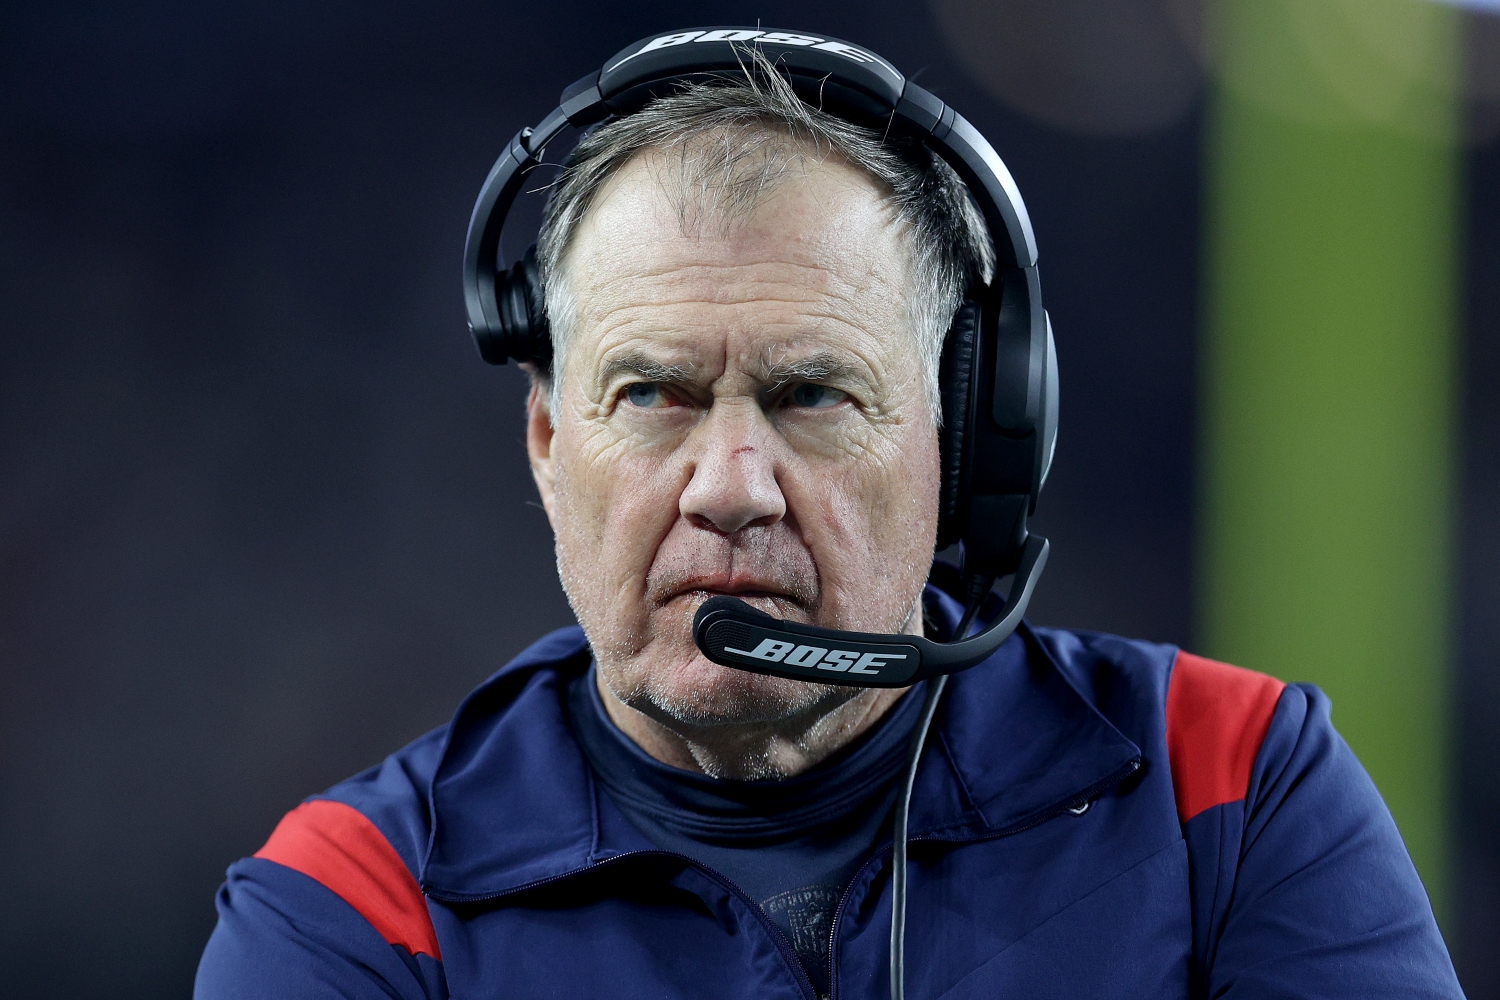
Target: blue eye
<point>646,395</point>
<point>817,397</point>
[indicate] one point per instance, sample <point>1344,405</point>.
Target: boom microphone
<point>732,633</point>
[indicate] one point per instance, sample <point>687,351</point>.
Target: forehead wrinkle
<point>825,335</point>
<point>600,230</point>
<point>811,314</point>
<point>726,278</point>
<point>851,268</point>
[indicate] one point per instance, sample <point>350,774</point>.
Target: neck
<point>780,749</point>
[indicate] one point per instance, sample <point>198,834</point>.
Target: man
<point>748,299</point>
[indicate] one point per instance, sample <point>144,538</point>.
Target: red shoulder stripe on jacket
<point>335,844</point>
<point>1217,718</point>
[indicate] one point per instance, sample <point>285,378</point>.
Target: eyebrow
<point>824,366</point>
<point>648,368</point>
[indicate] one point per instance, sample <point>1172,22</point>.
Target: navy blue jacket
<point>1094,817</point>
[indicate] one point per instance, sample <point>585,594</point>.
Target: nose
<point>733,483</point>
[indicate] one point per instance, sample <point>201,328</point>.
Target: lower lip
<point>744,595</point>
<point>777,605</point>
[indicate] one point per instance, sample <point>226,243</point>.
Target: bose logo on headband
<point>838,660</point>
<point>749,34</point>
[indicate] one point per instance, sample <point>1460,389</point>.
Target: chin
<point>680,687</point>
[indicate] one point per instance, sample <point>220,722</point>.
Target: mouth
<point>759,595</point>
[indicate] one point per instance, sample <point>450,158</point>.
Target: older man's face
<point>742,413</point>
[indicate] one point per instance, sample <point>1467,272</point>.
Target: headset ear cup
<point>539,332</point>
<point>524,334</point>
<point>956,387</point>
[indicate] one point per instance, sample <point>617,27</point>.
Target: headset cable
<point>903,804</point>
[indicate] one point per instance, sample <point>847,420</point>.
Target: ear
<point>539,438</point>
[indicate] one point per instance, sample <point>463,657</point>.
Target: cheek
<point>615,502</point>
<point>892,482</point>
<point>900,500</point>
<point>870,519</point>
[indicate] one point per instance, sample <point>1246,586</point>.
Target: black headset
<point>997,375</point>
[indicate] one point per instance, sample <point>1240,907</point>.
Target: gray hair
<point>718,131</point>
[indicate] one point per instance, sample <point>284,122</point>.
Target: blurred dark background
<point>264,515</point>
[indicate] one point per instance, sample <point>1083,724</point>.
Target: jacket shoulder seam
<point>1217,717</point>
<point>339,847</point>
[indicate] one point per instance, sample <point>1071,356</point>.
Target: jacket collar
<point>513,802</point>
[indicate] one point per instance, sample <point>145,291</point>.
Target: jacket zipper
<point>838,913</point>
